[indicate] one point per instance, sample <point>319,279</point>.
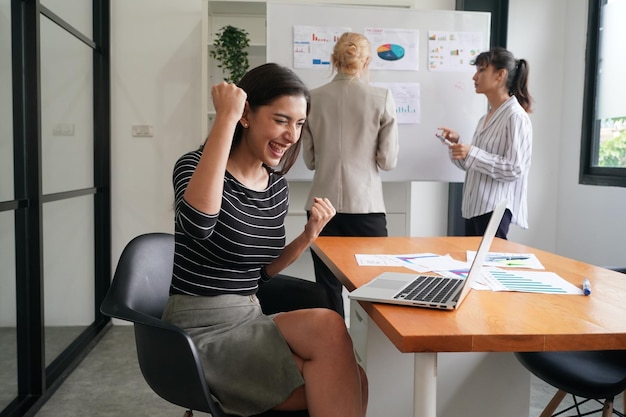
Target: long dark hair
<point>517,70</point>
<point>263,85</point>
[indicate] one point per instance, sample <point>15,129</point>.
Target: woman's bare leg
<point>334,383</point>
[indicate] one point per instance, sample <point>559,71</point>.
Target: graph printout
<point>528,281</point>
<point>453,51</point>
<point>407,99</point>
<point>509,260</point>
<point>394,49</point>
<point>313,45</point>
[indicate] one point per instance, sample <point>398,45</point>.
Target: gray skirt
<point>247,363</point>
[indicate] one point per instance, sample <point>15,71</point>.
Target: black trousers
<point>476,226</point>
<point>365,225</point>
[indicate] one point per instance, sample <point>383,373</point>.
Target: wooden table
<point>486,321</point>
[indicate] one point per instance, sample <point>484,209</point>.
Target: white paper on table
<point>528,281</point>
<point>419,262</point>
<point>499,259</point>
<point>377,260</point>
<point>435,263</point>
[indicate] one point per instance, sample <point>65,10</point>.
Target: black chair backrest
<point>167,357</point>
<point>142,278</point>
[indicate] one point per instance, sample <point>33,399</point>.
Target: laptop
<point>431,291</point>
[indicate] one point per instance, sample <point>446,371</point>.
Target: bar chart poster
<point>407,99</point>
<point>313,45</point>
<point>453,51</point>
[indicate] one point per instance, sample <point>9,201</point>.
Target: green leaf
<point>612,152</point>
<point>230,50</point>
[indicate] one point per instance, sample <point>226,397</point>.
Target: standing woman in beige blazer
<point>351,132</point>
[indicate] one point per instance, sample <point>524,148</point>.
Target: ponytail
<point>519,85</point>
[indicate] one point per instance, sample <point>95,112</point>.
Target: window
<point>603,150</point>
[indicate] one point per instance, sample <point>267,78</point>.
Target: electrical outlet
<point>142,131</point>
<point>63,129</point>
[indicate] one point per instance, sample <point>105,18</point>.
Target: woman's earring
<point>245,125</point>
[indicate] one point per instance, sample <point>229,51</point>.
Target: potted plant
<point>230,50</point>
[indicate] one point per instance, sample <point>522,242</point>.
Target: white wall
<point>528,30</point>
<point>578,221</point>
<point>156,79</point>
<point>590,219</point>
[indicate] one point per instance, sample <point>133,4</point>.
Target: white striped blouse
<point>498,163</point>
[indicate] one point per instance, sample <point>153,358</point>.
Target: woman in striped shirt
<point>497,161</point>
<point>231,199</point>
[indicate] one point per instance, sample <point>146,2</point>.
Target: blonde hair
<point>351,53</point>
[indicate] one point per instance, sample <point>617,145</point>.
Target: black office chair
<point>596,376</point>
<point>167,356</point>
<point>586,375</point>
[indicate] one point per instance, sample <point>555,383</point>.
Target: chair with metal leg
<point>596,376</point>
<point>587,375</point>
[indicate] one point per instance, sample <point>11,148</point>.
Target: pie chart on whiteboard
<point>390,52</point>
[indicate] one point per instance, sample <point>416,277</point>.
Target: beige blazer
<point>351,132</point>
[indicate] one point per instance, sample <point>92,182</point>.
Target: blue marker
<point>586,287</point>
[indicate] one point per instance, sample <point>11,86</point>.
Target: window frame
<point>589,173</point>
<point>37,381</point>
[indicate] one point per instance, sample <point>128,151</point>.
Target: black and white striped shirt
<point>223,253</point>
<point>498,163</point>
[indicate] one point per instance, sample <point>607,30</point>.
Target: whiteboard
<point>446,98</point>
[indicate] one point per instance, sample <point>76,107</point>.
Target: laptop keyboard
<point>429,289</point>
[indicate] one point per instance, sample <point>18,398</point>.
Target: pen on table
<point>507,258</point>
<point>586,287</point>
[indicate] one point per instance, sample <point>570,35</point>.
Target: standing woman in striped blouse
<point>231,199</point>
<point>497,160</point>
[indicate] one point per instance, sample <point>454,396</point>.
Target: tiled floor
<point>108,383</point>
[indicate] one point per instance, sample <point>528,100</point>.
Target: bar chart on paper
<point>528,281</point>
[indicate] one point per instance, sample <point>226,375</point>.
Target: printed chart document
<point>453,51</point>
<point>313,45</point>
<point>393,49</point>
<point>493,278</point>
<point>419,262</point>
<point>509,260</point>
<point>528,281</point>
<point>407,99</point>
